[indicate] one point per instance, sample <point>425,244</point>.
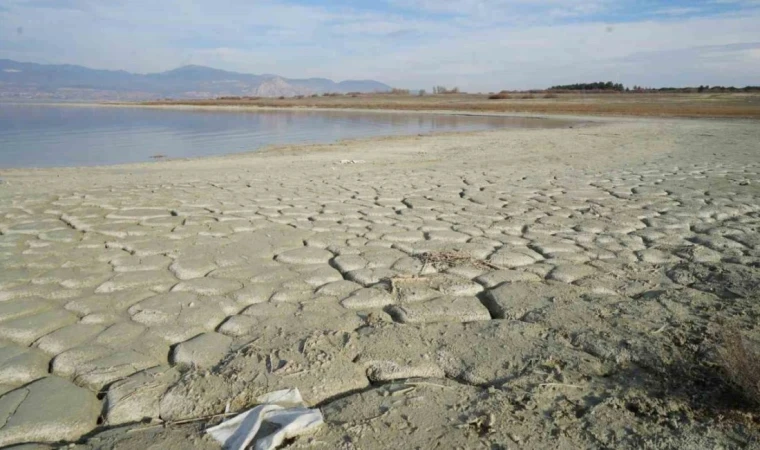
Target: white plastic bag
<point>277,408</point>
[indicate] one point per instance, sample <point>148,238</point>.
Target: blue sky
<point>478,45</point>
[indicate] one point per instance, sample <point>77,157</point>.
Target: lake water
<point>49,136</point>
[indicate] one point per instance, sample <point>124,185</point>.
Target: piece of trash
<point>284,408</point>
<point>352,161</point>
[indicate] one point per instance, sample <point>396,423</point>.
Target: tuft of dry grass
<point>445,260</point>
<point>440,261</point>
<point>741,362</point>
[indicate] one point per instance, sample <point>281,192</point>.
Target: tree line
<point>609,86</point>
<point>597,86</point>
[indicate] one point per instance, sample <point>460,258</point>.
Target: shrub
<point>741,363</point>
<point>400,91</point>
<point>527,96</point>
<point>598,86</point>
<point>551,95</point>
<point>282,97</point>
<point>503,95</point>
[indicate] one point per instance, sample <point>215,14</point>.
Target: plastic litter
<point>285,409</point>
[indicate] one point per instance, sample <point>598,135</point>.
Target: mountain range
<point>21,80</point>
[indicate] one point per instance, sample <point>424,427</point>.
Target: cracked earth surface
<point>510,289</point>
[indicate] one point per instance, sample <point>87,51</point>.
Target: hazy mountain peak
<point>193,68</point>
<point>44,81</point>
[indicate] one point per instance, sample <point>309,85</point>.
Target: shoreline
<point>558,122</point>
<point>253,108</point>
<point>295,149</point>
<point>577,121</point>
<point>298,149</point>
<point>602,116</point>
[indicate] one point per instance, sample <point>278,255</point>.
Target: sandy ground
<point>560,288</point>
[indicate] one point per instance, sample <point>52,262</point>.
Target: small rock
<point>20,365</point>
<point>568,273</point>
<point>27,329</point>
<point>137,397</point>
<point>208,286</point>
<point>514,257</point>
<point>305,255</point>
<point>367,298</point>
<point>498,277</point>
<point>441,309</point>
<point>202,351</point>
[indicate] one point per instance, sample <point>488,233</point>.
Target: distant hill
<point>19,80</point>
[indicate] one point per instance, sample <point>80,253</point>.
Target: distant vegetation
<point>445,90</point>
<point>601,87</point>
<point>609,86</point>
<point>700,89</point>
<point>237,98</point>
<point>503,95</point>
<point>598,86</point>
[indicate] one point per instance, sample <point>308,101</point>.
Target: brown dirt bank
<point>659,105</point>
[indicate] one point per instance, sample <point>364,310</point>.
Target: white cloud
<point>488,45</point>
<point>678,11</point>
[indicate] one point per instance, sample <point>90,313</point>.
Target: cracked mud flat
<point>557,288</point>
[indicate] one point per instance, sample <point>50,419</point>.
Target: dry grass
<point>445,260</point>
<point>739,105</point>
<point>741,363</point>
<point>440,261</point>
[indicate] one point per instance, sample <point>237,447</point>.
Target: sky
<point>476,45</point>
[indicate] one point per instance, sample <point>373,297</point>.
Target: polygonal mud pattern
<point>536,284</point>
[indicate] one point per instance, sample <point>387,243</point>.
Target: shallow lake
<point>33,135</point>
